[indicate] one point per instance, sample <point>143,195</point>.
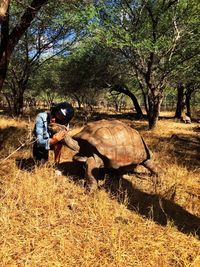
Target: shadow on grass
<point>25,164</point>
<point>186,150</point>
<point>151,206</point>
<point>74,170</point>
<point>196,129</point>
<point>10,136</point>
<point>155,207</point>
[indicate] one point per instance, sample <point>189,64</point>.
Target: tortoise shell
<point>115,141</point>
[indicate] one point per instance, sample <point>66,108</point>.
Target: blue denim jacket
<point>41,129</point>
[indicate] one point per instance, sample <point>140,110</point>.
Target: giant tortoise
<point>108,145</point>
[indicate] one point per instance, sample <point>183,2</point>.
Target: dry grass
<point>48,220</point>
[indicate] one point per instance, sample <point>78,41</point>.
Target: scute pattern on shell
<point>116,141</point>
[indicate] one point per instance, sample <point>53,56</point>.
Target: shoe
<point>58,173</point>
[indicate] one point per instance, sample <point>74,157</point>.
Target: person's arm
<point>57,152</point>
<point>57,137</point>
<point>42,134</point>
<point>56,145</point>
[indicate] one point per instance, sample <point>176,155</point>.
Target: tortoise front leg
<point>92,170</point>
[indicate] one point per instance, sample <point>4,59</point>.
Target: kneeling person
<point>61,113</point>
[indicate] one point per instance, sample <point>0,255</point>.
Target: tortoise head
<point>68,140</point>
<point>55,127</point>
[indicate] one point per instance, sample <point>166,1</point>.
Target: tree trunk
<point>116,107</point>
<point>4,57</point>
<point>153,114</point>
<point>188,94</point>
<point>16,98</point>
<point>180,100</point>
<point>8,101</point>
<point>18,105</point>
<point>136,105</point>
<point>154,98</point>
<point>77,100</point>
<point>3,70</point>
<point>125,90</point>
<point>145,98</point>
<point>9,41</point>
<point>187,101</point>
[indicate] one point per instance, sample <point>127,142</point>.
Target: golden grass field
<point>49,220</point>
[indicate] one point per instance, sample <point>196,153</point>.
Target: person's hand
<point>59,136</point>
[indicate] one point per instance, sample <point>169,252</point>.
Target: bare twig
<point>26,143</point>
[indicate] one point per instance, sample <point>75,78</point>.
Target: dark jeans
<point>40,154</point>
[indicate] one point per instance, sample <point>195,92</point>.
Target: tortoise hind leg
<point>151,167</point>
<point>155,178</point>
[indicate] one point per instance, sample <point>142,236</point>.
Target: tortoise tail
<point>149,152</point>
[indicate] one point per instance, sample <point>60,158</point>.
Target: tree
<point>53,33</point>
<point>184,95</point>
<point>180,100</point>
<point>11,36</point>
<point>124,90</point>
<point>97,69</point>
<point>151,36</point>
<point>45,84</point>
<point>189,82</point>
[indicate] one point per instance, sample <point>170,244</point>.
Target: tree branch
<point>25,22</point>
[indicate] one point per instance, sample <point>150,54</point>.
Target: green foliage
<point>54,31</point>
<point>147,45</point>
<point>140,29</point>
<point>155,38</point>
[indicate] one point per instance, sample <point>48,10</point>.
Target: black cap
<point>65,110</point>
